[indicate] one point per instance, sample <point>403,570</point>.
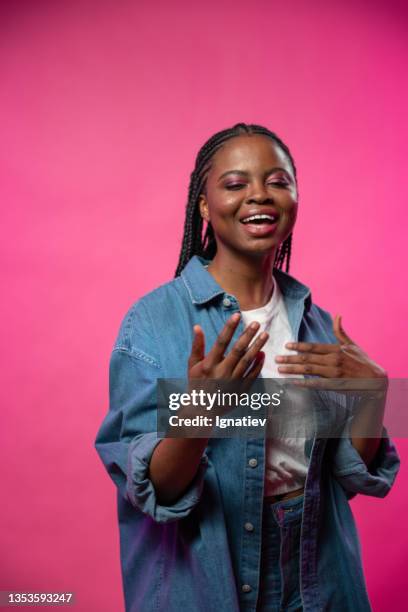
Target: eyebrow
<point>244,173</point>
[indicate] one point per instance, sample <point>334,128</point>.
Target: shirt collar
<point>202,287</point>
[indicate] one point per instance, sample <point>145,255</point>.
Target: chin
<point>260,250</point>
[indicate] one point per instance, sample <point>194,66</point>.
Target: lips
<point>258,217</point>
<point>259,222</point>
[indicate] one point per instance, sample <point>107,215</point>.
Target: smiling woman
<point>252,524</point>
<point>252,206</point>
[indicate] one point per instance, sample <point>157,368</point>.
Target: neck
<point>248,279</point>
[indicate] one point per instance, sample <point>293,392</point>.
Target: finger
<point>317,383</point>
<point>257,366</point>
<point>313,347</point>
<point>260,356</point>
<point>323,359</point>
<point>253,372</point>
<point>198,347</point>
<point>344,385</point>
<point>247,357</point>
<point>309,368</point>
<point>339,332</point>
<point>240,347</point>
<point>223,339</point>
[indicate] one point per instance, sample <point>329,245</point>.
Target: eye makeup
<point>234,185</point>
<point>273,171</point>
<point>280,180</point>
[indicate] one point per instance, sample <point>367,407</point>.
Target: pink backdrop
<point>103,108</point>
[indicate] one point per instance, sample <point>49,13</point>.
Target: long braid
<point>284,252</point>
<point>194,243</point>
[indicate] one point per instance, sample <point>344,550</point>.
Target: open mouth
<point>260,219</point>
<point>260,225</point>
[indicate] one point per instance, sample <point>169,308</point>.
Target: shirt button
<point>246,588</point>
<point>249,526</point>
<point>253,462</point>
<point>226,302</point>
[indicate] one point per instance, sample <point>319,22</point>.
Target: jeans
<point>280,578</point>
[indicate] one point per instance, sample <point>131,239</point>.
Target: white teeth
<point>249,219</point>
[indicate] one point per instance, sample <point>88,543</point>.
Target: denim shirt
<point>197,553</point>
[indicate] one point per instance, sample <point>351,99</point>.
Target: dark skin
<point>247,173</point>
<point>243,264</point>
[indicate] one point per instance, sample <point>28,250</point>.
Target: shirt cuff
<point>354,475</point>
<point>140,489</point>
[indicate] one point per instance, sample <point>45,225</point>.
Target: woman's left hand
<point>344,367</point>
<point>343,360</point>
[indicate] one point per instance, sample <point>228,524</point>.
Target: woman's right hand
<point>235,365</point>
<point>175,461</point>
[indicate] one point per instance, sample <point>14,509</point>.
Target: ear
<point>202,202</point>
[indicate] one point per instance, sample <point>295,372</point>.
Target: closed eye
<point>279,183</point>
<point>234,186</point>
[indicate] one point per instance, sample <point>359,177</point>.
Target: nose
<point>259,194</point>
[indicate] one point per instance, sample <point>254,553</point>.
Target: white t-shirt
<point>285,461</point>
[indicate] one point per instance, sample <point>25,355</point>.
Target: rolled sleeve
<point>353,474</point>
<point>128,434</point>
<point>140,489</point>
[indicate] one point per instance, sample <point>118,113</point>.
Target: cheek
<point>287,205</point>
<point>229,200</point>
<point>224,208</point>
<point>290,206</point>
<point>293,211</point>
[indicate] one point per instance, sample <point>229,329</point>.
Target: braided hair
<point>193,241</point>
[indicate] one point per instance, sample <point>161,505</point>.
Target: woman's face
<point>250,176</point>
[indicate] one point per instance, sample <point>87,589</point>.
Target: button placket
<point>251,523</point>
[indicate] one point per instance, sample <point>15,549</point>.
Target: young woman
<point>232,524</point>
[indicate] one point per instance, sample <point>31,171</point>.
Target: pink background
<point>103,108</point>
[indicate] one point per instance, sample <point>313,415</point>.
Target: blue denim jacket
<point>195,554</point>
